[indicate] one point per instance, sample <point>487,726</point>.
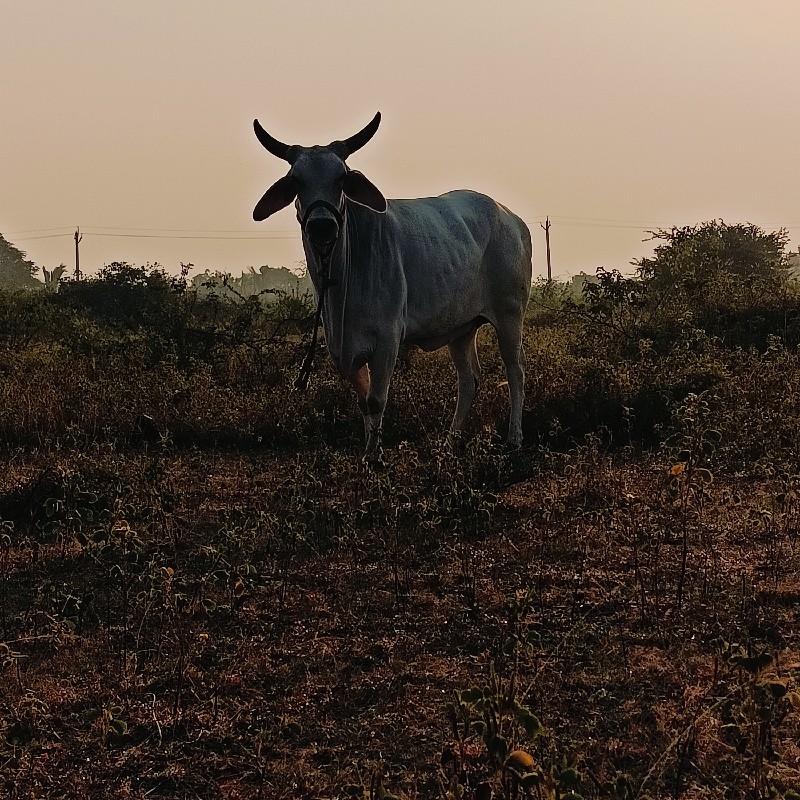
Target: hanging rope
<point>301,381</point>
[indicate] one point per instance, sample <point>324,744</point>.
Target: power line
<point>602,219</point>
<point>637,227</point>
<point>38,230</point>
<point>29,238</point>
<point>592,222</point>
<point>242,235</point>
<point>185,236</point>
<point>220,236</point>
<point>177,230</point>
<point>589,222</point>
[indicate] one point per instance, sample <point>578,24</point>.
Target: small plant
<point>375,790</point>
<point>757,702</point>
<point>493,715</point>
<point>520,774</point>
<point>689,475</point>
<point>566,780</point>
<point>465,503</point>
<point>9,658</point>
<point>108,722</point>
<point>25,731</point>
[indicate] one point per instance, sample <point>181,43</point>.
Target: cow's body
<point>426,272</point>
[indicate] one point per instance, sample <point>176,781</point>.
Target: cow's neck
<point>333,280</point>
<point>326,273</point>
<point>350,270</point>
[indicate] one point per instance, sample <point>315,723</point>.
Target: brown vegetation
<point>204,593</point>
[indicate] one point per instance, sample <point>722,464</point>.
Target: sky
<point>133,120</point>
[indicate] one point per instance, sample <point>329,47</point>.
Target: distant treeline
<point>17,272</point>
<point>267,280</point>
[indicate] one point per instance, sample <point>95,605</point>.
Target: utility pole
<point>546,229</point>
<point>78,237</point>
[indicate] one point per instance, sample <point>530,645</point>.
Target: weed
<point>225,602</point>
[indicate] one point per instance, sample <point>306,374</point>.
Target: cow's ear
<point>278,196</point>
<point>363,191</point>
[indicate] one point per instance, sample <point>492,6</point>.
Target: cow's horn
<point>275,147</point>
<point>350,145</point>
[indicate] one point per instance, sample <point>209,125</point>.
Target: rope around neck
<point>303,378</point>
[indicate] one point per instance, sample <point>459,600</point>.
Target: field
<point>204,592</point>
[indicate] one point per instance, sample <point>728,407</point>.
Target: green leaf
<point>529,721</point>
<point>756,663</point>
<point>471,696</point>
<point>704,475</point>
<point>479,726</point>
<point>777,689</point>
<point>530,780</point>
<point>569,778</point>
<point>118,726</point>
<point>292,728</point>
<point>20,734</point>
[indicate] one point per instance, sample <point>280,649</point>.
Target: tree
<point>15,270</point>
<point>702,268</point>
<point>732,282</point>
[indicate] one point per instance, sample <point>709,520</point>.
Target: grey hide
<point>426,272</point>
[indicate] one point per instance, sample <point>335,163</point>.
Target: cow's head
<point>319,180</point>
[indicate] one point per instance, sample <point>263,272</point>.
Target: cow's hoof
<point>514,442</point>
<point>375,459</point>
<point>455,442</point>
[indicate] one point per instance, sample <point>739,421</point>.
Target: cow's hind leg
<point>509,339</point>
<point>464,353</point>
<point>360,381</point>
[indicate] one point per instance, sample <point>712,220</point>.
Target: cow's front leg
<point>371,411</point>
<point>381,366</point>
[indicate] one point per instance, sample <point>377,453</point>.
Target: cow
<point>427,272</point>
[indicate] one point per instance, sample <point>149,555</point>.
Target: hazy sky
<point>133,120</point>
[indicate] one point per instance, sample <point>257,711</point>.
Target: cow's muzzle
<point>322,229</point>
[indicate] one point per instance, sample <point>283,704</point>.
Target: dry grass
<point>241,609</point>
<point>316,618</point>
